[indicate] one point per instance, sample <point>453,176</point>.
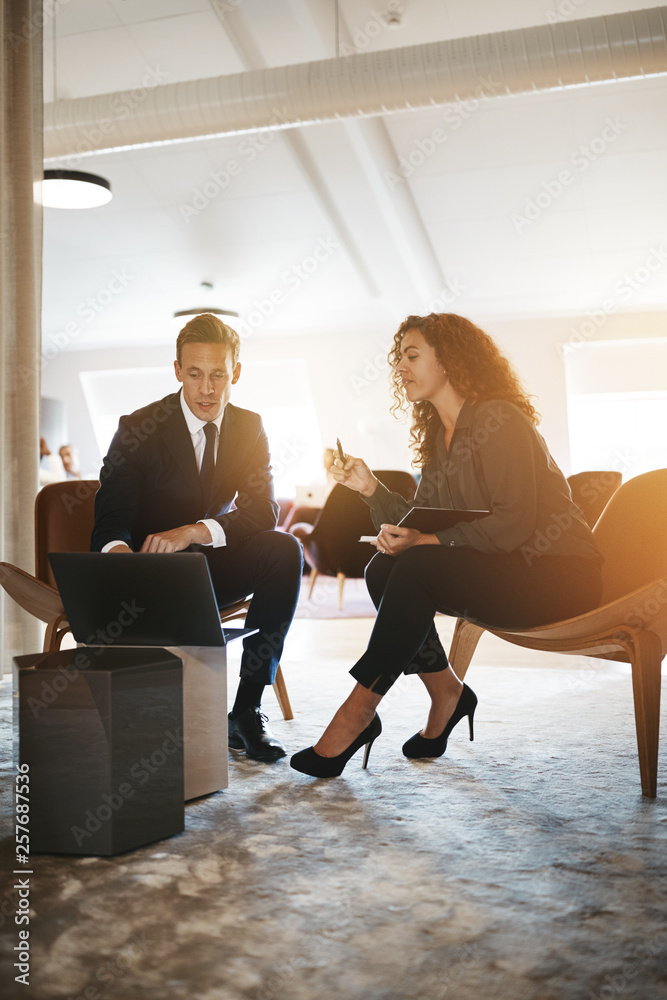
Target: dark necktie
<point>207,470</point>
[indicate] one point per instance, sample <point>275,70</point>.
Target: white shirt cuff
<point>218,536</point>
<point>110,545</point>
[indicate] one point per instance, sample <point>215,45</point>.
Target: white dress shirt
<point>196,429</point>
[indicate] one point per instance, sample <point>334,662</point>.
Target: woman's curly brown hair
<point>475,366</point>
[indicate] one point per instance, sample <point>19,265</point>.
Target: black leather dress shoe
<point>250,732</point>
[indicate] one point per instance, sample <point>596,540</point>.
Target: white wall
<point>349,379</point>
<point>536,349</point>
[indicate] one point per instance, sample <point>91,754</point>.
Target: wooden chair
<point>239,611</point>
<point>332,546</point>
<point>592,491</point>
<point>64,516</point>
<point>631,623</point>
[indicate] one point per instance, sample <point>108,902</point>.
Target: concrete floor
<point>523,866</point>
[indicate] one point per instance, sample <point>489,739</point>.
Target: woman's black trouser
<point>501,591</point>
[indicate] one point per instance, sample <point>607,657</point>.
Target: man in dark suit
<point>193,470</point>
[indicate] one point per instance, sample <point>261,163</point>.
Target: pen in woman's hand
<point>353,472</point>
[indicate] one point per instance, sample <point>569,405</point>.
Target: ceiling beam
<point>250,56</point>
<point>378,159</point>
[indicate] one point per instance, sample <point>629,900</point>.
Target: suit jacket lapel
<point>226,451</point>
<point>177,439</point>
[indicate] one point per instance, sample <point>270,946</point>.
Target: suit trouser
<point>267,565</point>
<point>504,591</point>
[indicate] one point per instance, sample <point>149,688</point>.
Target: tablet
<point>429,520</point>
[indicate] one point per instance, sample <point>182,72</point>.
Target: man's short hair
<point>208,329</point>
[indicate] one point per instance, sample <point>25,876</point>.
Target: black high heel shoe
<point>312,763</point>
<point>418,746</point>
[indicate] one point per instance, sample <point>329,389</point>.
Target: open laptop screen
<point>140,599</point>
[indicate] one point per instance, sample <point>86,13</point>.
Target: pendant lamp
<point>185,314</point>
<point>74,189</point>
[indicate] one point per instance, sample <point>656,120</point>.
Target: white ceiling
<point>387,246</point>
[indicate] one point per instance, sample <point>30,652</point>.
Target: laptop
<point>314,495</point>
<point>144,599</point>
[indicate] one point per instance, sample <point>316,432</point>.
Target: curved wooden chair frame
<point>631,624</point>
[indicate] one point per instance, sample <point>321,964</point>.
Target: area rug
<point>324,601</point>
<point>523,866</point>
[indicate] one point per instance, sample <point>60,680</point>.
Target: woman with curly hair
<point>532,560</point>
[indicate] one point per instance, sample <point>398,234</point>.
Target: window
<point>279,390</point>
<point>111,393</point>
<point>617,405</point>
